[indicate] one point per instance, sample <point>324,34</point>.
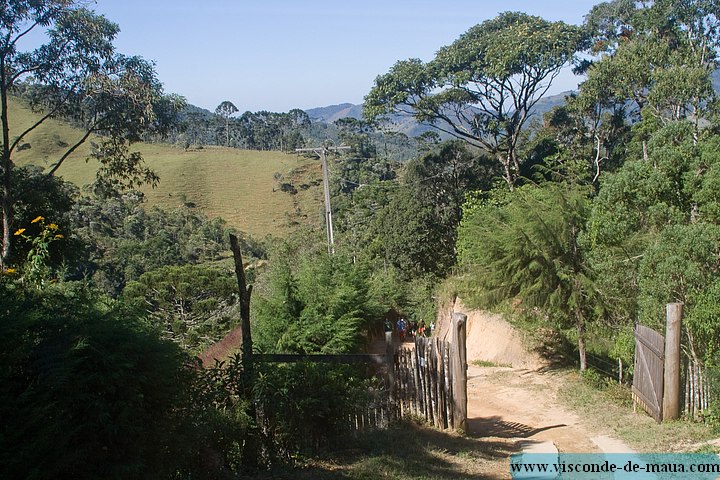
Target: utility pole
<point>322,152</point>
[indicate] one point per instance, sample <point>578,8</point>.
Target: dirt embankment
<point>489,337</point>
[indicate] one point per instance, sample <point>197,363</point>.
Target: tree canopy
<point>75,74</point>
<point>225,110</point>
<point>482,88</point>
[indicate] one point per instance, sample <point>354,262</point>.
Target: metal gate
<point>648,378</point>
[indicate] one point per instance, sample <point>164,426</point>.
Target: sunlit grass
<point>610,408</point>
<point>237,185</point>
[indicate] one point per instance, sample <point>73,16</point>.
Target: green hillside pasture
<point>46,144</point>
<point>237,185</point>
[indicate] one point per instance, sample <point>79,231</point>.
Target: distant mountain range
<point>332,113</point>
<point>407,124</point>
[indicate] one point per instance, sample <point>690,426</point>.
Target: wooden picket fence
<point>380,413</point>
<point>427,379</point>
<point>430,379</point>
<point>424,382</point>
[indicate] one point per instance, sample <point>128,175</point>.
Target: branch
<point>70,151</point>
<point>461,133</point>
<point>39,122</point>
<point>597,159</point>
<point>22,72</point>
<point>471,139</point>
<point>20,35</point>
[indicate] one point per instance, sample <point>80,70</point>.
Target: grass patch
<point>240,186</point>
<point>490,363</point>
<point>611,406</point>
<point>407,451</point>
<point>237,185</point>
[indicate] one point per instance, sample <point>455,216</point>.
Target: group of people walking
<point>412,328</point>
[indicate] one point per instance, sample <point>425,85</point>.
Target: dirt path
<point>521,406</point>
<point>518,405</point>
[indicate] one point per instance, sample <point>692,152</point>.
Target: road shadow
<point>556,351</point>
<point>406,451</point>
<point>497,427</point>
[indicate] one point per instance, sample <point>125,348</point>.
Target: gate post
<point>244,291</point>
<point>671,391</point>
<point>390,367</point>
<point>459,366</point>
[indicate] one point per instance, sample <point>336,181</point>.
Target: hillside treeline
<point>581,223</point>
<point>283,132</point>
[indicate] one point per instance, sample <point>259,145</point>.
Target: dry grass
<point>237,185</point>
<point>407,451</point>
<point>611,409</point>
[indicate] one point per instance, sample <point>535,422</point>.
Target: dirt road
<point>521,405</point>
<point>518,404</point>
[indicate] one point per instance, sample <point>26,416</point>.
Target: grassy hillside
<point>238,185</point>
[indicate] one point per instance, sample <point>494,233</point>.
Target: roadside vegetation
<point>603,402</point>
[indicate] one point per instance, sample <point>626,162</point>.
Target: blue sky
<point>280,54</point>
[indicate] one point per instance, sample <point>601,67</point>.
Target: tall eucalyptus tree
<point>482,88</point>
<point>76,73</point>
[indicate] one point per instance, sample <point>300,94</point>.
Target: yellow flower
<point>59,235</point>
<point>53,226</point>
<point>20,232</point>
<point>38,218</point>
<point>10,270</point>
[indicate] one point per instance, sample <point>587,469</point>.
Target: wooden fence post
<point>244,290</point>
<point>459,363</point>
<point>390,365</point>
<point>671,389</point>
<point>253,442</point>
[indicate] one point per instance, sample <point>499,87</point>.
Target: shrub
<point>306,406</point>
<point>88,391</point>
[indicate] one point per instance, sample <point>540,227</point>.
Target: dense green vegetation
<point>617,220</point>
<point>581,223</point>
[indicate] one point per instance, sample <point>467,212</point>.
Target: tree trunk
<point>508,175</point>
<point>5,189</point>
<point>513,160</point>
<point>580,326</point>
<point>6,218</point>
